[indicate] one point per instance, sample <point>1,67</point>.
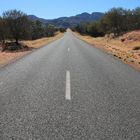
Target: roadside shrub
<point>116,21</point>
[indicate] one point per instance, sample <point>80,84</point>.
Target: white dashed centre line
<point>68,86</point>
<point>68,49</point>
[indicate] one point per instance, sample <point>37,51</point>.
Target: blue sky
<point>50,9</point>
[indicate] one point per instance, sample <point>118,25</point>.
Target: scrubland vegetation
<point>15,26</point>
<point>116,21</point>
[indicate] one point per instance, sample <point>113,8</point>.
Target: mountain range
<point>67,22</point>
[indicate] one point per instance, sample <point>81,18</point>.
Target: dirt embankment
<point>126,47</point>
<point>7,56</point>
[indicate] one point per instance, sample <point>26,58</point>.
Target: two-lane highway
<point>69,90</point>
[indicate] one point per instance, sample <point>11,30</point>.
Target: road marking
<point>68,49</point>
<point>68,86</point>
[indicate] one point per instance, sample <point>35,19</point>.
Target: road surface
<point>69,90</point>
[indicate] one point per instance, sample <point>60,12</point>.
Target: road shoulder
<point>118,49</point>
<point>9,57</point>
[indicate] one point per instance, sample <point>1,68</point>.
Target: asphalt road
<point>69,90</point>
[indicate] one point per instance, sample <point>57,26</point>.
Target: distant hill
<point>70,21</point>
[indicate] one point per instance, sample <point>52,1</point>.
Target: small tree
<point>136,18</point>
<point>38,29</point>
<point>114,20</point>
<point>62,30</point>
<point>4,33</point>
<point>1,30</point>
<point>18,24</point>
<point>50,30</point>
<point>94,30</point>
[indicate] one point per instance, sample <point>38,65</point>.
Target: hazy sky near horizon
<point>50,9</point>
